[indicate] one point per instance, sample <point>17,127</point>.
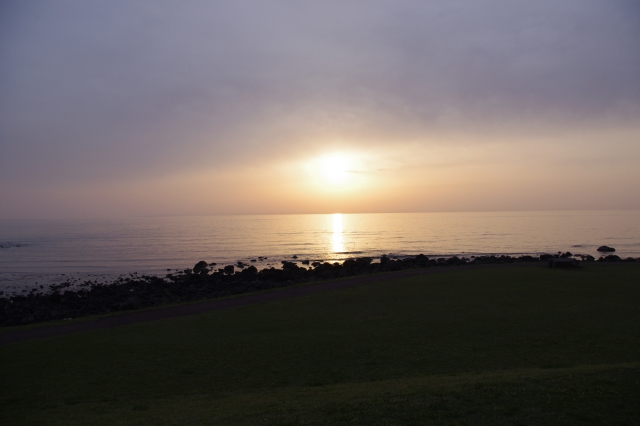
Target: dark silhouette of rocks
<point>606,249</point>
<point>610,258</point>
<point>199,266</point>
<point>586,257</point>
<point>563,262</point>
<point>201,283</point>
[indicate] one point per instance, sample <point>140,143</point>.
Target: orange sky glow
<point>365,107</point>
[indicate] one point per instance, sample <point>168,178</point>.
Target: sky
<point>152,108</point>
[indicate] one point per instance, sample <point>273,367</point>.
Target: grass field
<point>516,345</point>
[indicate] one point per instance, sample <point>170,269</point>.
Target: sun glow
<point>335,169</point>
<point>336,174</point>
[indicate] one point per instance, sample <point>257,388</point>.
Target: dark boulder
<point>199,266</point>
<point>606,249</point>
<point>421,259</point>
<point>228,269</point>
<point>610,258</point>
<point>363,262</point>
<point>132,303</point>
<point>563,262</point>
<point>289,265</point>
<point>250,272</point>
<point>349,263</point>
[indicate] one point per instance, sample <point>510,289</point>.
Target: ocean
<point>34,253</point>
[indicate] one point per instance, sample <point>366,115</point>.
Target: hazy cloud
<point>95,91</point>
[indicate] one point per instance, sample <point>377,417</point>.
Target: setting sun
<point>335,169</point>
<point>306,212</point>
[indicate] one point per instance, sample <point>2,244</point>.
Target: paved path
<point>216,304</point>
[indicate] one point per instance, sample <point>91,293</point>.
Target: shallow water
<point>101,249</point>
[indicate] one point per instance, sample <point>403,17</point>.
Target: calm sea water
<point>102,249</point>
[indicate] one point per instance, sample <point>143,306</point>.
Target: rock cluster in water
<point>203,282</point>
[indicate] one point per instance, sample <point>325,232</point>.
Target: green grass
<point>526,345</point>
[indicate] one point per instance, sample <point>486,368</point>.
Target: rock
<point>611,258</point>
<point>363,262</point>
<point>289,265</point>
<point>305,262</point>
<point>294,257</point>
<point>606,249</point>
<point>131,303</point>
<point>228,269</point>
<point>199,266</point>
<point>349,263</point>
<point>563,262</point>
<point>251,271</point>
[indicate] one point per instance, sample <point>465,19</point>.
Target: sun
<point>335,172</point>
<point>335,169</point>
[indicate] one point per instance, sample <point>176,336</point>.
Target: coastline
<point>205,282</point>
<point>121,318</point>
<point>103,250</point>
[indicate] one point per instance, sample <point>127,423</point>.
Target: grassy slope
<point>523,345</point>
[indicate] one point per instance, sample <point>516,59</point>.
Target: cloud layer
<point>124,95</point>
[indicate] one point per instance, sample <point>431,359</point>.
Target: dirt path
<point>217,304</point>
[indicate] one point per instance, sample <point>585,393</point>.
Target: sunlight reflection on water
<point>32,250</point>
<point>337,245</point>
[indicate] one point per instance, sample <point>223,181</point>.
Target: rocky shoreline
<point>204,282</point>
